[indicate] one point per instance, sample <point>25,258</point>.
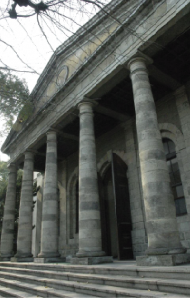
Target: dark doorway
<point>115,211</point>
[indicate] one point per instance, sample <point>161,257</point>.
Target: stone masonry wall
<point>173,116</point>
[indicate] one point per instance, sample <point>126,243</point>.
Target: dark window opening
<point>175,178</point>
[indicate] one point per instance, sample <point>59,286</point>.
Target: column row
<point>163,235</point>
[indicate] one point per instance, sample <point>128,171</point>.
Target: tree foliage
<point>14,100</point>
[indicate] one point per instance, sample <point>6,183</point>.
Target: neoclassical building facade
<point>110,134</point>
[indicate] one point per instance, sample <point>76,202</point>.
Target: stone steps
<point>91,291</point>
<point>63,280</point>
<point>153,284</point>
<point>17,289</point>
<point>179,272</point>
<point>7,292</point>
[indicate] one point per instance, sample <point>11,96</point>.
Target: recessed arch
<point>115,205</point>
<point>171,132</point>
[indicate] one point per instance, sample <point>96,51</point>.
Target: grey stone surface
<point>5,258</point>
<point>90,240</point>
<point>49,231</point>
<point>42,260</point>
<point>163,234</point>
<point>24,239</point>
<point>113,280</point>
<point>22,259</point>
<point>91,260</point>
<point>163,260</point>
<point>7,234</point>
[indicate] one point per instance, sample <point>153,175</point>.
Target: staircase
<point>117,280</point>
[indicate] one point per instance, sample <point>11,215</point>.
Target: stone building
<point>110,131</point>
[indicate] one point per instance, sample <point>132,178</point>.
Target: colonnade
<point>163,235</point>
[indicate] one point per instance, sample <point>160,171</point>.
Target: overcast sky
<point>30,44</point>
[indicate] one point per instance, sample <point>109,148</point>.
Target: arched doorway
<point>115,211</point>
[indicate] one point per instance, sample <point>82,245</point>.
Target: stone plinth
<point>22,259</point>
<point>5,258</point>
<point>163,260</point>
<point>44,260</point>
<point>91,260</point>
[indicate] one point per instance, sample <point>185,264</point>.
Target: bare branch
<point>43,32</point>
<point>12,48</point>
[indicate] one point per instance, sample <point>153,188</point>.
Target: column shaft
<point>49,233</point>
<point>163,235</point>
<point>24,239</point>
<point>7,234</point>
<point>90,241</point>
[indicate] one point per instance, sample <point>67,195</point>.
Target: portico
<point>98,143</point>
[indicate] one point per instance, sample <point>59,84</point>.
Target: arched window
<point>175,178</point>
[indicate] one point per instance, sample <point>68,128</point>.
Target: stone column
<point>24,239</point>
<point>9,215</point>
<point>49,233</point>
<point>163,235</point>
<point>90,240</point>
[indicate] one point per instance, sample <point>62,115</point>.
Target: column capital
<point>29,154</point>
<point>86,106</point>
<point>51,135</point>
<point>12,167</point>
<point>139,62</point>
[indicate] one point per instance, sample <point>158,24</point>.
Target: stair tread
<point>49,290</point>
<point>11,292</point>
<point>117,290</point>
<point>112,266</point>
<point>123,278</point>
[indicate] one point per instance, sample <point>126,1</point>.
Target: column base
<point>163,260</point>
<point>48,254</point>
<point>91,260</point>
<point>164,251</point>
<point>43,260</point>
<point>81,254</point>
<point>5,258</point>
<point>22,259</point>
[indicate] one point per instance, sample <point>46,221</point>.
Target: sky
<point>27,48</point>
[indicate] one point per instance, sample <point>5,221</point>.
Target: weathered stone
<point>163,260</point>
<point>89,210</point>
<point>158,197</point>
<point>22,259</point>
<point>49,232</point>
<point>91,260</point>
<point>7,234</point>
<point>24,240</point>
<point>43,260</point>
